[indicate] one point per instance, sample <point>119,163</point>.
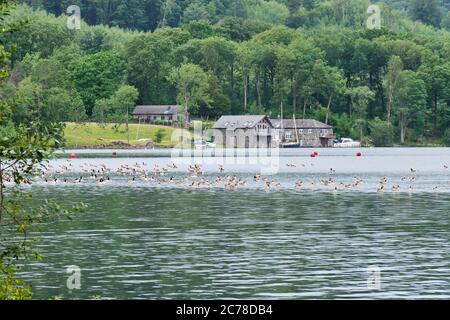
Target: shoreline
<point>144,148</point>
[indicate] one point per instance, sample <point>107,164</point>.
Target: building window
<point>300,131</point>
<point>310,131</point>
<point>260,127</point>
<point>288,135</point>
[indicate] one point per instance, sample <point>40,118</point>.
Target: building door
<point>247,142</point>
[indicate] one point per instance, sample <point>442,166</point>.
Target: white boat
<point>347,143</point>
<point>202,145</point>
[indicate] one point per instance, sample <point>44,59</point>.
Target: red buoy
<point>114,154</point>
<point>316,153</point>
<point>359,154</point>
<point>73,156</point>
<point>313,155</point>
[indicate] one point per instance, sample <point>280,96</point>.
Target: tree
<point>159,135</point>
<point>410,102</point>
<point>446,21</point>
<point>50,73</point>
<point>447,137</point>
<point>117,108</point>
<point>436,75</point>
<point>24,147</point>
<point>94,39</point>
<point>64,106</point>
<point>101,111</point>
<point>244,58</point>
<point>296,62</point>
<point>222,103</point>
<point>395,67</point>
<point>149,61</point>
<point>199,29</point>
<point>195,11</point>
<point>329,83</point>
<point>360,98</point>
<point>260,63</point>
<point>238,29</point>
<point>426,11</point>
<point>41,34</point>
<point>381,133</point>
<point>191,83</point>
<point>270,11</point>
<point>96,76</point>
<point>213,54</point>
<point>123,101</point>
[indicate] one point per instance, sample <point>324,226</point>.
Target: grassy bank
<point>92,135</point>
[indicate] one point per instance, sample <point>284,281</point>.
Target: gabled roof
<point>301,124</point>
<point>239,122</point>
<point>156,110</point>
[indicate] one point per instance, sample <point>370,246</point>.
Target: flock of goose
<point>195,178</point>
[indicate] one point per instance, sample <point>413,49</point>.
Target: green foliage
<point>96,76</point>
<point>381,133</point>
<point>118,108</point>
<point>252,55</point>
<point>271,11</point>
<point>149,59</point>
<point>159,135</point>
<point>410,102</point>
<point>196,10</point>
<point>426,11</point>
<point>192,84</point>
<point>12,288</point>
<point>343,126</point>
<point>28,136</point>
<point>447,137</point>
<point>199,29</point>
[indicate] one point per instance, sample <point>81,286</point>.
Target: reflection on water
<point>142,242</point>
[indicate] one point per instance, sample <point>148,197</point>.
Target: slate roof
<point>239,122</point>
<point>156,110</point>
<point>301,124</point>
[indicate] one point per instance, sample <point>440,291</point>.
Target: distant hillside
<point>149,14</point>
<point>403,4</point>
<point>317,58</point>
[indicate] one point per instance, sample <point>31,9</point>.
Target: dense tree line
<point>148,15</point>
<point>317,58</point>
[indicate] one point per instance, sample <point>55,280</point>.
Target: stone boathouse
<point>310,133</point>
<point>243,132</point>
<point>261,132</point>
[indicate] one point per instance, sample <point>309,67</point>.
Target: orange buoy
<point>73,156</point>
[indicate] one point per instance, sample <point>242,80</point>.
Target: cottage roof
<point>239,122</point>
<point>300,124</point>
<point>156,110</point>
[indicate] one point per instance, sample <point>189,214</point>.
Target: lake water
<point>150,240</point>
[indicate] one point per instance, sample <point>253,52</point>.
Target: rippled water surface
<point>144,241</point>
